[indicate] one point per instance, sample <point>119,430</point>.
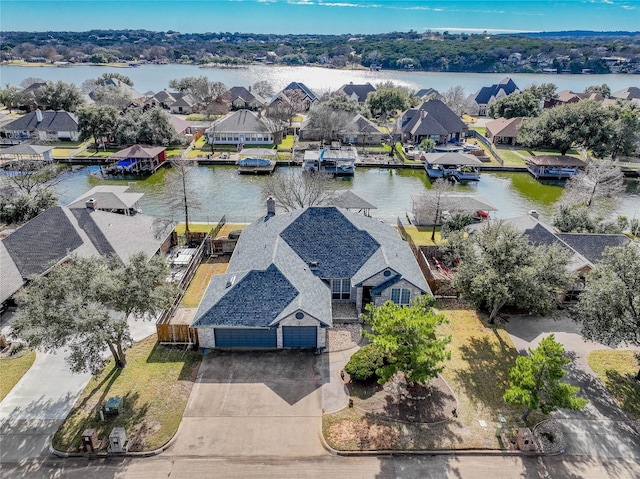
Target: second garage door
<point>299,336</point>
<point>246,338</point>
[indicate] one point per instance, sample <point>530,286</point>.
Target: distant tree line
<point>431,51</point>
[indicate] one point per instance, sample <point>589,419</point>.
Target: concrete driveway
<point>264,403</point>
<point>601,429</point>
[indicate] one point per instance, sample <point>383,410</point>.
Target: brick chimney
<point>91,204</point>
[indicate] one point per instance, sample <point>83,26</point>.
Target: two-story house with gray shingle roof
<point>41,125</point>
<point>242,127</point>
<point>488,95</point>
<point>433,119</point>
<point>357,93</point>
<point>243,98</point>
<point>292,275</point>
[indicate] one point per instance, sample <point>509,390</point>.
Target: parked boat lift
<point>548,167</point>
<point>452,166</point>
<point>336,161</point>
<point>256,161</point>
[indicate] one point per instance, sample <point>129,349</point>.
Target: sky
<point>320,16</point>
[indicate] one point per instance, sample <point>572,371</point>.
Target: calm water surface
<point>223,191</point>
<point>320,80</point>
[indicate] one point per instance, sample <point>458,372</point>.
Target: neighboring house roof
<point>456,202</point>
<point>184,100</point>
<point>586,249</point>
<point>484,96</point>
<point>138,151</point>
<point>26,149</point>
<point>433,117</point>
<point>107,197</point>
<point>424,92</point>
<point>244,121</point>
<point>359,91</point>
<point>352,201</point>
<point>51,121</point>
<point>593,246</point>
<point>504,127</point>
<point>630,93</point>
<point>59,232</point>
<point>114,82</point>
<point>242,93</point>
<point>276,256</point>
<point>178,124</point>
<point>556,160</point>
<point>363,125</point>
<point>294,85</point>
<point>567,96</point>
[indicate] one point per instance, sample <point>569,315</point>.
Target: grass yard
<point>480,129</point>
<point>477,374</point>
<point>286,143</point>
<point>469,119</point>
<point>617,369</point>
<point>421,235</point>
<point>155,385</point>
<point>63,152</point>
<point>510,157</point>
<point>206,227</point>
<point>12,371</point>
<point>200,281</point>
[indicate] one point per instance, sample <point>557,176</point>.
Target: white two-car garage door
<point>246,338</point>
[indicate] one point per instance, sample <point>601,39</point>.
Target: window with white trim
<point>341,288</point>
<point>401,296</point>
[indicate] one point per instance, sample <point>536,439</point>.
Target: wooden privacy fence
<point>488,144</point>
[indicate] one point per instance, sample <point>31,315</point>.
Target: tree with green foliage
<point>364,363</point>
<point>427,144</point>
<point>156,128</point>
<point>97,122</point>
<point>407,338</point>
<point>102,79</point>
<point>457,222</point>
<point>515,105</point>
<point>60,96</point>
<point>112,96</point>
<point>584,125</point>
<point>386,101</point>
<point>8,96</point>
<point>544,92</point>
<point>609,307</point>
<point>84,305</point>
<point>535,381</point>
<point>603,90</point>
<point>212,97</point>
<point>339,102</point>
<point>624,130</point>
<point>498,267</point>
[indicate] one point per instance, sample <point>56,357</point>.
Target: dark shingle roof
<point>45,240</point>
<point>241,121</point>
<point>51,121</point>
<point>96,236</point>
<point>325,236</point>
<point>433,117</point>
<point>484,95</point>
<point>255,301</point>
<point>592,246</point>
<point>302,87</point>
<point>361,91</point>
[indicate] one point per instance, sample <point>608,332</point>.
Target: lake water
<point>223,191</point>
<point>320,80</point>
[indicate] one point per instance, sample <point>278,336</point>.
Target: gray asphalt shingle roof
<point>486,93</point>
<point>51,121</point>
<point>433,117</point>
<point>326,237</point>
<point>593,246</point>
<point>255,300</point>
<point>241,121</point>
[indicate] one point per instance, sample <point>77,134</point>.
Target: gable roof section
<point>433,117</point>
<point>324,235</point>
<point>352,201</point>
<point>361,91</point>
<point>244,121</point>
<point>255,300</point>
<point>42,242</point>
<point>485,94</point>
<point>505,127</point>
<point>51,121</point>
<point>593,246</point>
<point>627,94</point>
<point>108,197</point>
<point>139,151</point>
<point>294,85</point>
<point>10,278</point>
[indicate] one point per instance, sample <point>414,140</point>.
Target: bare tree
<point>263,88</point>
<point>328,124</point>
<point>428,209</point>
<point>180,192</point>
<point>456,99</point>
<point>294,189</point>
<point>597,186</point>
<point>27,82</point>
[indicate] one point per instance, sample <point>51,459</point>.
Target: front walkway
<point>601,429</point>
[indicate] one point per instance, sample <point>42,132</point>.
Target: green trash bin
<point>113,407</point>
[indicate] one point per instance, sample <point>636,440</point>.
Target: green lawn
<point>206,227</point>
<point>155,385</point>
<point>12,371</point>
<point>510,158</point>
<point>421,235</point>
<point>477,373</point>
<point>617,369</point>
<point>480,129</point>
<point>200,281</point>
<point>286,143</point>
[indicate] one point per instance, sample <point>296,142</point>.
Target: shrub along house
<point>292,275</point>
